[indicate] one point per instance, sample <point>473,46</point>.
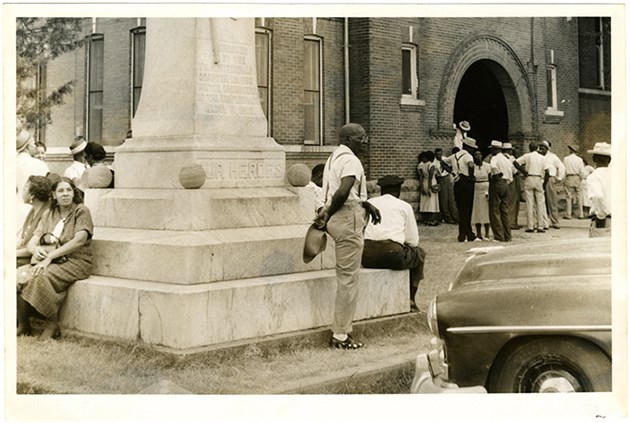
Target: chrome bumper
<point>429,378</point>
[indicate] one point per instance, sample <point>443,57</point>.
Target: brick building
<point>406,80</point>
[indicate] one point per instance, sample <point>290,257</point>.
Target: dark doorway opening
<point>481,102</point>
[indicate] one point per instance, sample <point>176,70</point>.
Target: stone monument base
<point>188,318</point>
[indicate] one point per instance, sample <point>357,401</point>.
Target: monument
<point>187,269</point>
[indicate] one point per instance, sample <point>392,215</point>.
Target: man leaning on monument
<point>344,217</point>
<point>394,243</point>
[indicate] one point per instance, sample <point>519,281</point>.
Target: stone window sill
<point>553,116</point>
<point>409,101</point>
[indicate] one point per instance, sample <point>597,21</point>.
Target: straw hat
<point>507,146</point>
<point>470,142</point>
<point>21,141</point>
<point>314,243</point>
<point>78,145</point>
<point>601,148</point>
<point>464,125</point>
<point>573,148</point>
<point>496,144</point>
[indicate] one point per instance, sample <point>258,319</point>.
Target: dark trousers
<point>514,189</point>
<point>393,255</point>
<point>448,208</point>
<point>464,192</point>
<point>499,207</point>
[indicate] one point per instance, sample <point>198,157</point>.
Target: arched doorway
<point>480,100</point>
<point>487,56</point>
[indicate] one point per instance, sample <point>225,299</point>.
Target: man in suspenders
<point>344,218</point>
<point>465,188</point>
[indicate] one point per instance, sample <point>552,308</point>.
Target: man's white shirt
<point>398,222</point>
<point>344,163</point>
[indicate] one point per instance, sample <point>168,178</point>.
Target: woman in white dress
<point>429,187</point>
<point>480,211</point>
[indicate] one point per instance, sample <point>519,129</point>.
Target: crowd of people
<point>463,188</point>
<point>483,195</point>
<point>54,227</point>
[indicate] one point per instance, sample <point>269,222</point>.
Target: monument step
<point>189,210</point>
<point>193,257</point>
<point>190,318</point>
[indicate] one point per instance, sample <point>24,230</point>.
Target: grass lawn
<point>79,365</point>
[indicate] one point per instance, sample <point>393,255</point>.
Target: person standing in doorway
<point>465,188</point>
<point>344,217</point>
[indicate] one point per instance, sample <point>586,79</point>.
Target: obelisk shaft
<point>199,104</point>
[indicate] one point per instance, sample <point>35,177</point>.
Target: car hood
<point>558,258</point>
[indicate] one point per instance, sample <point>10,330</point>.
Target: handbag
<point>50,242</point>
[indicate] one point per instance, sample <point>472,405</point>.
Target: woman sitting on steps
<point>61,255</point>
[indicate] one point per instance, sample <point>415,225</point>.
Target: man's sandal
<point>348,344</point>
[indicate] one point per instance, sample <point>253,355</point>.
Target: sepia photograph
<point>235,212</point>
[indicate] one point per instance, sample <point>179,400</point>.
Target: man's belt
<point>573,174</point>
<point>538,176</point>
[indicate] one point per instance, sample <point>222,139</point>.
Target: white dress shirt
<point>574,165</point>
<point>25,166</point>
<point>398,222</point>
<point>556,167</point>
<point>534,162</point>
<point>75,170</point>
<point>501,164</point>
<point>599,192</point>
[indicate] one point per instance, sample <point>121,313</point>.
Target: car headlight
<point>432,317</point>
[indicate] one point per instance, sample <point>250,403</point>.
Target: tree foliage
<point>38,41</point>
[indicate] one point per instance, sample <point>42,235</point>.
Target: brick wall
<point>397,132</point>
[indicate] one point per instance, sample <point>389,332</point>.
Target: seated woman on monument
<point>36,192</point>
<point>61,255</point>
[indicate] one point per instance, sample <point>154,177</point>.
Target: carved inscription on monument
<point>239,169</point>
<point>228,88</point>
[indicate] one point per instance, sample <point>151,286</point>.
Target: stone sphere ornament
<point>192,176</point>
<point>99,177</point>
<point>299,175</point>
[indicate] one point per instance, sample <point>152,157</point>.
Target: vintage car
<point>528,318</point>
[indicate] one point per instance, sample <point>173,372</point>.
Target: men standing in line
<point>448,209</point>
<point>78,166</point>
<point>514,188</point>
<point>499,201</point>
<point>574,166</point>
<point>344,218</point>
<point>556,175</point>
<point>600,191</point>
<point>393,244</point>
<point>536,170</point>
<point>465,188</point>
